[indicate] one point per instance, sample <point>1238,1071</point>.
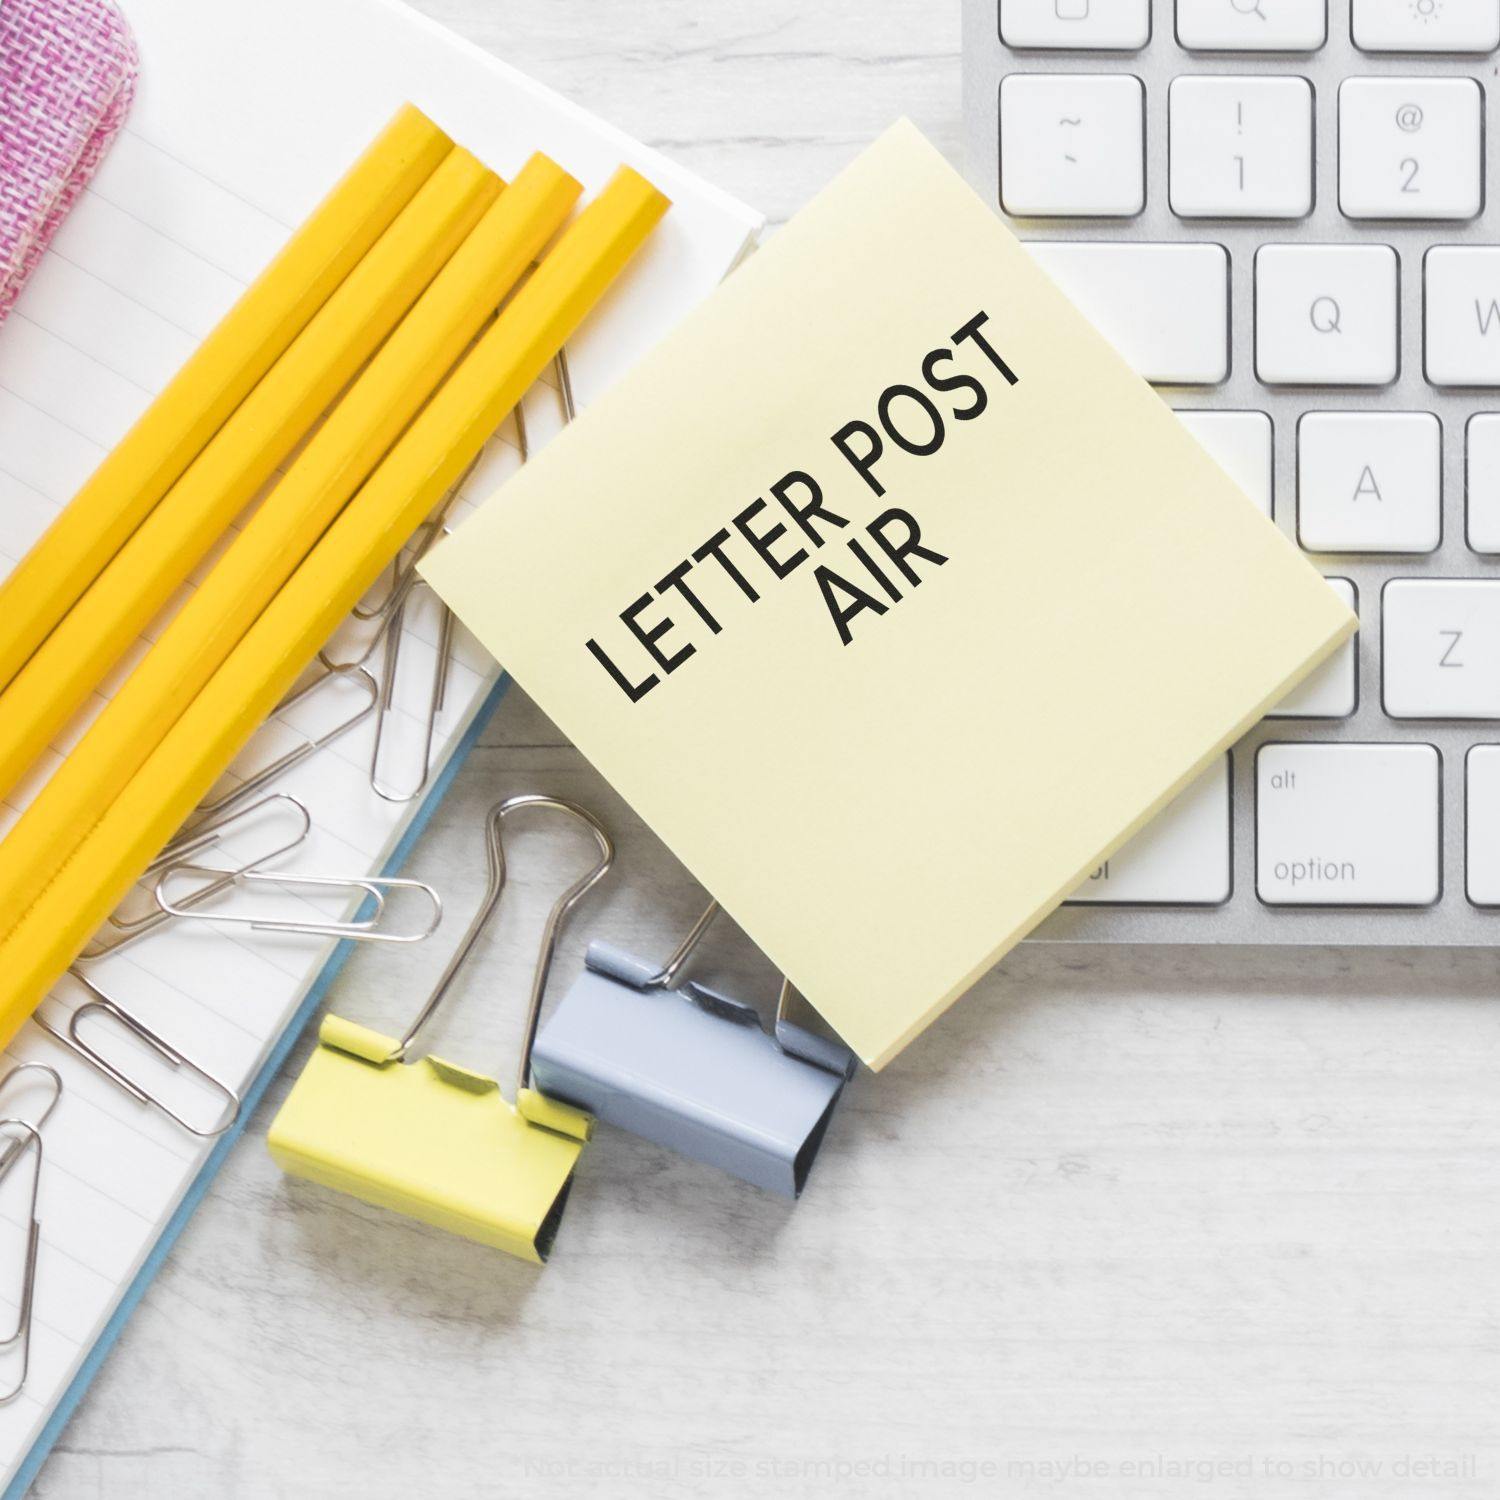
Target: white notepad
<point>245,115</point>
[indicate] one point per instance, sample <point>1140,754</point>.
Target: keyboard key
<point>1103,25</point>
<point>1483,472</point>
<point>1252,25</point>
<point>1332,692</point>
<point>1240,443</point>
<point>1440,642</point>
<point>1164,307</point>
<point>1348,825</point>
<point>1369,482</point>
<point>1241,148</point>
<point>1072,144</point>
<point>1411,148</point>
<point>1482,824</point>
<point>1326,314</point>
<point>1181,858</point>
<point>1463,315</point>
<point>1427,25</point>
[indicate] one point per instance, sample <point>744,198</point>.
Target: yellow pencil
<point>226,367</point>
<point>359,430</point>
<point>266,426</point>
<point>60,916</point>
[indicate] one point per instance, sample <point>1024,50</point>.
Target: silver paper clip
<point>311,744</point>
<point>691,1068</point>
<point>564,391</point>
<point>25,1137</point>
<point>565,385</point>
<point>403,571</point>
<point>403,576</point>
<point>364,927</point>
<point>391,614</point>
<point>125,929</point>
<point>390,620</point>
<point>12,1148</point>
<point>178,1061</point>
<point>436,695</point>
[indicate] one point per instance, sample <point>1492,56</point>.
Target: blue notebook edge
<point>251,1098</point>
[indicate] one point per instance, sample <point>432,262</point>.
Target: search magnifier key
<point>1326,314</point>
<point>1252,25</point>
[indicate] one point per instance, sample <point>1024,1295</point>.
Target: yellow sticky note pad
<point>889,596</point>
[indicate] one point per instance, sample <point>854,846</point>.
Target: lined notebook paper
<point>245,115</point>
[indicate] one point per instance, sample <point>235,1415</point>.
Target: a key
<point>1326,314</point>
<point>1181,857</point>
<point>1483,473</point>
<point>1369,482</point>
<point>1240,443</point>
<point>1347,825</point>
<point>1072,144</point>
<point>1252,25</point>
<point>1482,824</point>
<point>1241,148</point>
<point>1440,644</point>
<point>1101,25</point>
<point>1463,315</point>
<point>1427,25</point>
<point>1411,148</point>
<point>1164,307</point>
<point>1331,692</point>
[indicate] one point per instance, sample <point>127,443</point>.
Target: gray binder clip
<point>691,1068</point>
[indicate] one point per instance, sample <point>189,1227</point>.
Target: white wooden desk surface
<point>1120,1216</point>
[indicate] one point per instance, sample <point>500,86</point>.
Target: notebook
<point>245,114</point>
<point>906,601</point>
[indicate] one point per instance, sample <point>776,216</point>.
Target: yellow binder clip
<point>433,1140</point>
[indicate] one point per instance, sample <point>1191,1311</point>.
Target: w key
<point>1441,647</point>
<point>1462,284</point>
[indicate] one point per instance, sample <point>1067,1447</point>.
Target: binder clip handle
<point>794,1038</point>
<point>561,908</point>
<point>666,977</point>
<point>797,1040</point>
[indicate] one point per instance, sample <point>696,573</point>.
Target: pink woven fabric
<point>67,75</point>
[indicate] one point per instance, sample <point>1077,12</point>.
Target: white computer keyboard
<point>1280,212</point>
